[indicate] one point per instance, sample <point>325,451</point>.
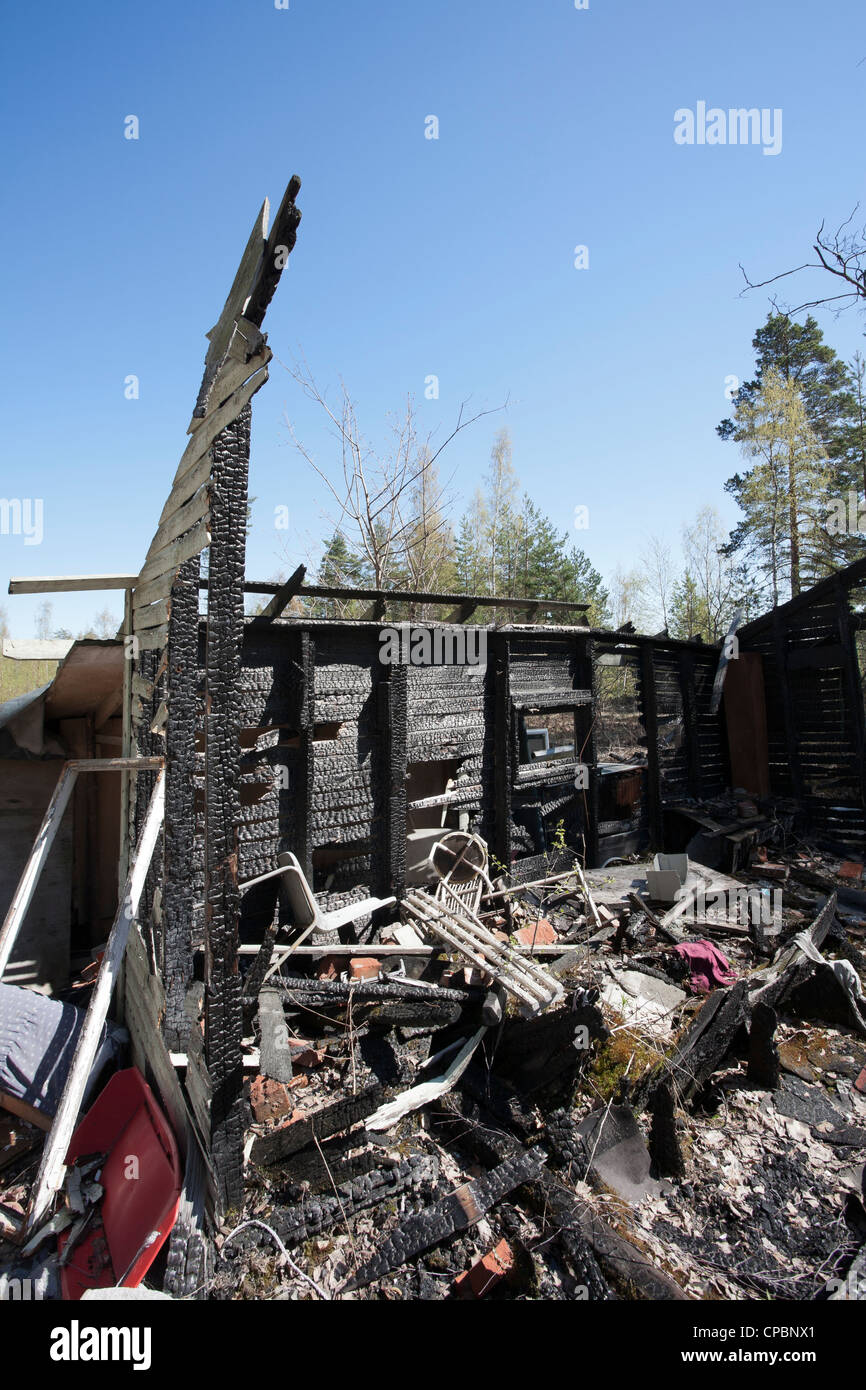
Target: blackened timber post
<point>396,742</point>
<point>223,1018</point>
<point>304,820</point>
<point>651,727</point>
<point>586,746</point>
<point>503,755</point>
<point>780,646</point>
<point>687,669</point>
<point>853,680</point>
<point>180,766</point>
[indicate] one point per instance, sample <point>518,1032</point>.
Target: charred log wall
<point>814,702</point>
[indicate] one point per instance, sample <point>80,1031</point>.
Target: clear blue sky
<point>451,257</point>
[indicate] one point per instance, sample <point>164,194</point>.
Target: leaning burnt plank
<point>255,976</point>
<point>316,1124</point>
<point>769,984</point>
<point>454,1213</point>
<point>702,1049</point>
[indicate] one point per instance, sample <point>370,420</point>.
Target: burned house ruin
<point>241,740</point>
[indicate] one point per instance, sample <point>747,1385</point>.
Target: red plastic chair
<point>141,1178</point>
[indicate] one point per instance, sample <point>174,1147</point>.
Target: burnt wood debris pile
<point>528,969</point>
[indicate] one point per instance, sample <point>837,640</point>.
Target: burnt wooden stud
<point>690,721</point>
<point>780,647</point>
<point>664,1140</point>
<point>851,675</point>
<point>586,744</point>
<point>649,708</point>
<point>396,753</point>
<point>303,846</point>
<point>223,1016</point>
<point>499,673</point>
<point>763,1053</point>
<point>180,766</point>
<point>280,243</point>
<point>275,1050</point>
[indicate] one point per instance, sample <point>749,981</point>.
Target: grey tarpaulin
<point>37,1043</point>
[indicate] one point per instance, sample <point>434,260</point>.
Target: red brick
<point>269,1099</point>
<point>308,1057</point>
<point>851,870</point>
<point>486,1273</point>
<point>364,968</point>
<point>540,933</point>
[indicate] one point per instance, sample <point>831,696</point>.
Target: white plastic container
<point>667,876</point>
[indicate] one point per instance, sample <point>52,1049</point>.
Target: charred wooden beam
<point>275,1055</point>
<point>586,745</point>
<point>853,681</point>
<point>395,708</point>
<point>306,768</point>
<point>317,1214</point>
<point>180,768</point>
<point>664,1140</point>
<point>329,1119</point>
<point>223,1014</point>
<point>302,987</point>
<point>499,674</point>
<point>597,1252</point>
<point>690,721</point>
<point>780,647</point>
<point>764,1067</point>
<point>281,241</point>
<point>649,709</point>
<point>703,1048</point>
<point>412,596</point>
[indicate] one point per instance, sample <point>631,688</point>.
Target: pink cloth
<point>708,966</point>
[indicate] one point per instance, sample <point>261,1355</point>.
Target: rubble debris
<point>454,1213</point>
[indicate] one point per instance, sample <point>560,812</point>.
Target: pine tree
<point>785,494</point>
<point>798,354</point>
